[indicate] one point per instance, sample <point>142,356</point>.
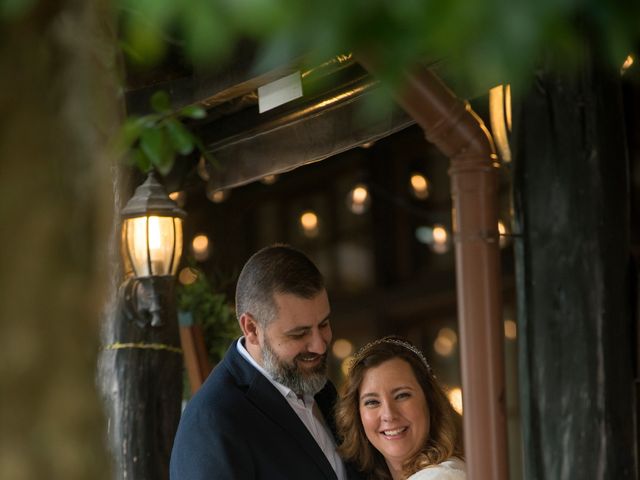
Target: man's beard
<point>292,375</point>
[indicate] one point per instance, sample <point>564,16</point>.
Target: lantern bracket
<point>142,299</point>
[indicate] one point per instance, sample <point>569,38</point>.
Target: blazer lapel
<point>326,400</point>
<point>266,398</point>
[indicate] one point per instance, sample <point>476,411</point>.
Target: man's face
<point>294,345</point>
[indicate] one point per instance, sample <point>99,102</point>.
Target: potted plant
<point>208,319</point>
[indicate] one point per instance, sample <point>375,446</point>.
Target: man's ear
<point>250,328</point>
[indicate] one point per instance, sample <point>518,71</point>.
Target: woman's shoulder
<point>451,469</point>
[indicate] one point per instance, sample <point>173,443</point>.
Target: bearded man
<point>266,411</point>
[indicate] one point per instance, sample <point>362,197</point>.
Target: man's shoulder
<point>221,387</point>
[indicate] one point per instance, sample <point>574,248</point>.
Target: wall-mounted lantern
<point>151,250</point>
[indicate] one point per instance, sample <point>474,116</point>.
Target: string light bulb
<point>419,186</point>
<point>627,64</point>
<point>200,247</point>
<point>445,342</point>
<point>440,239</point>
<point>359,199</point>
<point>202,170</point>
<point>179,197</point>
<point>436,237</point>
<point>219,196</point>
<point>269,179</point>
<point>309,223</point>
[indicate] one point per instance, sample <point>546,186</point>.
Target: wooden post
<point>141,378</point>
<point>573,259</point>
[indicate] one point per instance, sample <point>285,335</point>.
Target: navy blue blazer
<point>239,426</point>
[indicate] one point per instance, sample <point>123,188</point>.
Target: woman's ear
<point>250,328</point>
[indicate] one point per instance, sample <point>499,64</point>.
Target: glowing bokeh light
<point>455,397</point>
<point>419,186</point>
<point>342,348</point>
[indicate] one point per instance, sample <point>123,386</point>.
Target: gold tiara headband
<point>393,341</point>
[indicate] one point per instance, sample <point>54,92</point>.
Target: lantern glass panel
<point>154,244</point>
<point>178,229</point>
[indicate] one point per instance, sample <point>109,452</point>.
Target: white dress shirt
<point>308,412</point>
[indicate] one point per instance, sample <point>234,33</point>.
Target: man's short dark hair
<point>275,269</point>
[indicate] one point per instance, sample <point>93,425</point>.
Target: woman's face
<point>394,411</point>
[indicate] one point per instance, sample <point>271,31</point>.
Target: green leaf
<point>138,159</point>
<point>130,132</point>
<point>193,111</point>
<point>167,159</point>
<point>145,44</point>
<point>161,102</point>
<point>14,9</point>
<point>208,33</point>
<point>158,149</point>
<point>151,144</point>
<point>181,138</point>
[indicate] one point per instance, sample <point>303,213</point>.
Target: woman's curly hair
<point>445,432</point>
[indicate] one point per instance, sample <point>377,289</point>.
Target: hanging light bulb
<point>358,199</point>
<point>445,342</point>
<point>219,196</point>
<point>202,169</point>
<point>419,186</point>
<point>269,179</point>
<point>627,64</point>
<point>309,223</point>
<point>200,247</point>
<point>440,239</point>
<point>436,237</point>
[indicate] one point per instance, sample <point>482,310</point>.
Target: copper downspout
<point>459,133</point>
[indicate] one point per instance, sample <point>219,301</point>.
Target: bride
<point>395,420</point>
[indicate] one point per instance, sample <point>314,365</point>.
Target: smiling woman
<point>405,428</point>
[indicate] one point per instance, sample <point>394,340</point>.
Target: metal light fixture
<point>151,250</point>
<point>500,113</point>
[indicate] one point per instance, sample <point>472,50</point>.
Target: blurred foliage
<point>153,141</point>
<point>11,9</point>
<point>488,42</point>
<point>211,309</point>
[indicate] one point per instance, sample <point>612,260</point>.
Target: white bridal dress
<point>452,469</point>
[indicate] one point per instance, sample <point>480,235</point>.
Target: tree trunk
<point>57,114</point>
<point>571,197</point>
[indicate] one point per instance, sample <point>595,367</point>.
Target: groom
<point>266,411</point>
